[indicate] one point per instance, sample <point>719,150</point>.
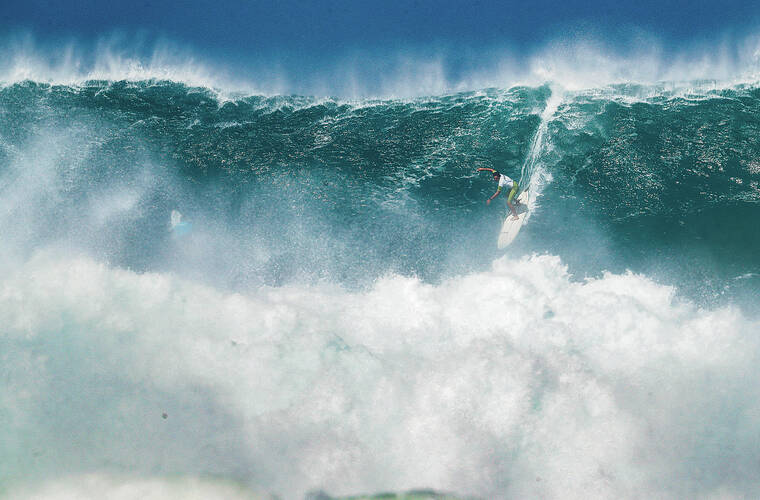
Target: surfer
<point>506,183</point>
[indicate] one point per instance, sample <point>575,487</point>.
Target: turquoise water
<point>663,183</point>
<point>334,314</point>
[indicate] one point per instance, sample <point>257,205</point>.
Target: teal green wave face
<point>293,188</point>
<point>276,189</point>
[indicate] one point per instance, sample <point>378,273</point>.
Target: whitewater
<point>337,317</point>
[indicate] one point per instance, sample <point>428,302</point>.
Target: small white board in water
<point>512,226</point>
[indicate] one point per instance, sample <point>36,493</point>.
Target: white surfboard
<point>512,226</point>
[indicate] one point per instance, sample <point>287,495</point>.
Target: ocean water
<point>245,296</point>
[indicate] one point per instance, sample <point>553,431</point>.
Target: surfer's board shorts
<point>512,193</point>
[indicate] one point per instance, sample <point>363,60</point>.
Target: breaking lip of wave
<point>115,58</point>
<point>572,64</point>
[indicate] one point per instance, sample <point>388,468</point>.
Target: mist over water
<point>330,311</point>
<point>568,60</point>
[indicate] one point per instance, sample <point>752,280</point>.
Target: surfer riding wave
<point>506,183</point>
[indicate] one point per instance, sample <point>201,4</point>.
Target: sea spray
<point>488,383</point>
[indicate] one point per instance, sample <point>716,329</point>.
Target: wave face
<point>329,311</point>
<point>292,188</point>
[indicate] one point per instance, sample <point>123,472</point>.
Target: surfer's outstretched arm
<point>498,191</point>
<point>484,169</point>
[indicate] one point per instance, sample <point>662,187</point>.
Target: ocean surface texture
<point>234,296</point>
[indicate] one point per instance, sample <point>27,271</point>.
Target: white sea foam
<point>516,383</point>
<point>533,173</point>
<point>114,487</point>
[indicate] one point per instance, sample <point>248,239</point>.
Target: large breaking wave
<point>337,317</point>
